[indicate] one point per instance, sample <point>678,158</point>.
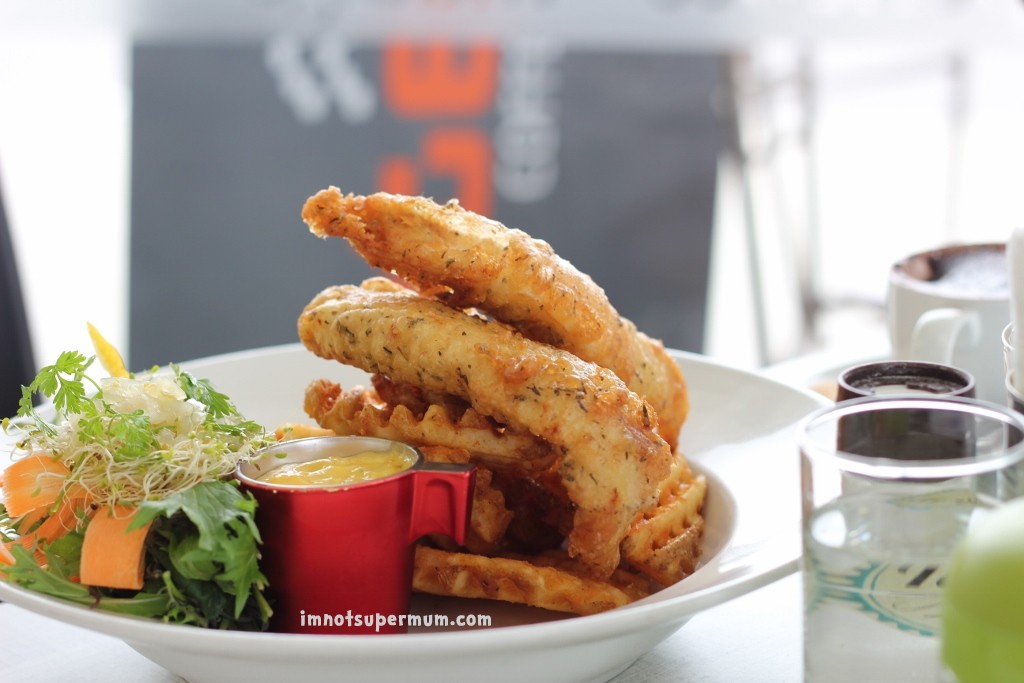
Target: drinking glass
<point>889,485</point>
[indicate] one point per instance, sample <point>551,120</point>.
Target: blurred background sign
<point>610,155</point>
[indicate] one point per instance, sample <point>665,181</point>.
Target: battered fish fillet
<point>467,260</point>
<point>612,457</point>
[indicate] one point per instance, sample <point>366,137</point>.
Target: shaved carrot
<point>62,520</point>
<point>74,504</point>
<point>26,522</point>
<point>32,483</point>
<point>112,556</point>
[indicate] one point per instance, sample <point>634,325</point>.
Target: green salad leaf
<point>56,579</point>
<point>210,546</point>
<point>166,443</point>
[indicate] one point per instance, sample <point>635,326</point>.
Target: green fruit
<point>983,621</point>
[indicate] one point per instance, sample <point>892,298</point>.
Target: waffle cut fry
<point>552,581</point>
<point>664,542</point>
<point>362,411</point>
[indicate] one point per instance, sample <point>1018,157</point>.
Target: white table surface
<point>756,637</point>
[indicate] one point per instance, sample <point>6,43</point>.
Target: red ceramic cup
<point>339,559</point>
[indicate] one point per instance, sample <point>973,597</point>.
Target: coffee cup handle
<point>937,332</point>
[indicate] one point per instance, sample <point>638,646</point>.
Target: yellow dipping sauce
<point>339,470</point>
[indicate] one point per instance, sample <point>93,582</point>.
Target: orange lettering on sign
<point>438,79</point>
<point>465,154</point>
<point>398,175</point>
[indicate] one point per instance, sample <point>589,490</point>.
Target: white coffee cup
<point>950,306</point>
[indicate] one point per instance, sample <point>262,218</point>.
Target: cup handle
<point>442,500</point>
<point>937,332</point>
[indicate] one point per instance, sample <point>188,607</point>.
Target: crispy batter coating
<point>467,260</point>
<point>546,581</point>
<point>612,457</point>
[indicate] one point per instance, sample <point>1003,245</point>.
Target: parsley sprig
<point>63,383</point>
